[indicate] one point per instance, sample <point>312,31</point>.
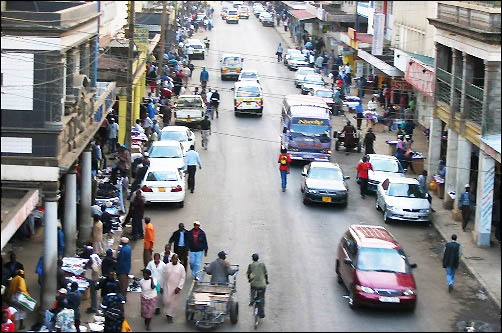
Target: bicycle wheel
<point>256,317</point>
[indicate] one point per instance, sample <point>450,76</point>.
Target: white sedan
<point>166,153</point>
<point>164,183</point>
<point>181,134</point>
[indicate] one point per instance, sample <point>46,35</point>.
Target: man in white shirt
<point>192,159</point>
<point>189,51</point>
<point>157,266</point>
<point>148,124</point>
<point>138,127</point>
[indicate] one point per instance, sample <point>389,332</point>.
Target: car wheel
<point>203,57</point>
<point>222,78</point>
<point>337,270</point>
<point>376,204</point>
<point>386,218</point>
<point>305,201</point>
<point>352,302</point>
<point>181,204</point>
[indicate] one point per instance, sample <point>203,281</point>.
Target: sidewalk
<point>483,263</point>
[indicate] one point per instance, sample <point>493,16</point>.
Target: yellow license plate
<point>248,103</point>
<point>162,189</point>
<point>326,199</point>
<point>189,120</point>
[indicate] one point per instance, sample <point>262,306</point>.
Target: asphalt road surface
<point>239,201</point>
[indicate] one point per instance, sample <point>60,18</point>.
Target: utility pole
<point>130,76</point>
<point>162,49</point>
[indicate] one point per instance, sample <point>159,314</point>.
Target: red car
<point>374,268</point>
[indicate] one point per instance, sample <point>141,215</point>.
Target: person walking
<point>18,285</point>
<point>220,269</point>
<point>258,280</point>
<point>451,259</point>
<point>179,239</point>
<point>124,265</point>
<point>174,280</point>
<point>138,211</point>
<point>349,133</point>
<point>359,114</point>
<point>279,52</point>
<point>204,77</point>
<point>148,296</point>
<point>215,102</point>
<point>97,235</point>
<point>192,159</point>
<point>197,244</point>
<point>92,275</point>
<point>74,299</point>
<point>368,141</point>
<point>362,173</point>
<point>167,255</point>
<point>205,127</point>
<point>113,131</point>
<point>113,310</point>
<point>284,162</point>
<point>465,204</point>
<point>148,241</point>
<point>157,266</point>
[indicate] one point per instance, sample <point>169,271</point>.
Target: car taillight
<point>145,188</point>
<point>175,115</point>
<point>223,70</point>
<point>239,70</point>
<point>176,189</point>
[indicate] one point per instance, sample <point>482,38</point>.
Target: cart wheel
<point>234,312</point>
<point>188,313</point>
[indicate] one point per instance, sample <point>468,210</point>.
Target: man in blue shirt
<point>151,110</point>
<point>179,240</point>
<point>192,159</point>
<point>124,265</point>
<point>204,77</point>
<point>464,204</point>
<point>60,242</point>
<point>359,114</point>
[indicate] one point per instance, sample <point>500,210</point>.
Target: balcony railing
<point>443,75</point>
<point>443,92</point>
<point>473,15</point>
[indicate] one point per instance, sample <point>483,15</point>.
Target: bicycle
<point>257,299</point>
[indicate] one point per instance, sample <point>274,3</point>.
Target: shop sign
<point>378,34</point>
<point>420,77</point>
<point>400,85</point>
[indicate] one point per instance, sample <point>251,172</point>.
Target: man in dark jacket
<point>197,243</point>
<point>451,259</point>
<point>349,131</point>
<point>180,241</point>
<point>74,298</point>
<point>109,263</point>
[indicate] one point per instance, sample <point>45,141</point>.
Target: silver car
<point>384,166</point>
<point>324,182</point>
<point>310,82</point>
<point>289,53</point>
<point>402,199</point>
<point>296,61</point>
<point>301,73</point>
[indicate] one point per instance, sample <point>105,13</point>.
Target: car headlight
<point>373,182</point>
<point>409,292</point>
<point>364,289</point>
<point>393,209</point>
<point>311,191</point>
<point>426,211</point>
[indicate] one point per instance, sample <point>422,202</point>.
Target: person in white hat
<point>465,205</point>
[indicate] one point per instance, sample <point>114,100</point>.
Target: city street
<point>239,201</point>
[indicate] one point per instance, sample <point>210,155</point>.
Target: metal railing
<point>443,75</point>
<point>443,91</point>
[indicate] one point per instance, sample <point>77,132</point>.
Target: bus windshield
<point>310,126</point>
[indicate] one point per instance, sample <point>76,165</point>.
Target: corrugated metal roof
<point>301,14</point>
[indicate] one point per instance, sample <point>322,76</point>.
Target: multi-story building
<point>467,102</point>
<point>52,106</point>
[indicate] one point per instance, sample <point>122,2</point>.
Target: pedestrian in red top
<point>7,324</point>
<point>284,161</point>
<point>362,173</point>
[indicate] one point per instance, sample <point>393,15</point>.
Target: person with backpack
<point>284,161</point>
<point>113,310</point>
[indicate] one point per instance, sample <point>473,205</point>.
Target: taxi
<point>231,66</point>
<point>248,98</point>
<point>232,16</point>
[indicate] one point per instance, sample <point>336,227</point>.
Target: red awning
<point>301,14</point>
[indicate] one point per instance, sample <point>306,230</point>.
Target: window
<point>250,91</point>
<point>162,176</point>
<point>172,135</point>
<point>165,152</point>
<point>382,260</point>
<point>325,173</point>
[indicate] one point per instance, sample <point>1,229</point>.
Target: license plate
<point>248,103</point>
<point>389,299</point>
<point>189,120</point>
<point>410,216</point>
<point>162,189</point>
<point>326,199</point>
<point>308,156</point>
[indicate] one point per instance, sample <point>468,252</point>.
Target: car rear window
<point>323,93</point>
<point>248,92</point>
<point>385,165</point>
<point>325,173</point>
<point>162,176</point>
<point>232,61</point>
<point>189,102</point>
<point>406,191</point>
<point>165,152</point>
<point>232,12</point>
<point>382,260</point>
<point>197,46</point>
<point>172,135</point>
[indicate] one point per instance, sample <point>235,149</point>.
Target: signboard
<point>420,77</point>
<point>141,36</point>
<point>400,85</point>
<point>16,145</point>
<point>378,34</point>
<point>352,33</point>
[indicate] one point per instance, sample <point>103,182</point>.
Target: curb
<point>478,277</point>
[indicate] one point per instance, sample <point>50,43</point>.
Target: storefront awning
<point>490,144</point>
<point>380,64</point>
<point>301,14</point>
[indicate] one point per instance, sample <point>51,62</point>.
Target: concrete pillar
<point>451,165</point>
<point>70,70</point>
<point>85,222</point>
<point>434,154</point>
<point>484,200</point>
<point>491,98</point>
<point>49,281</point>
<point>93,70</point>
<point>463,172</point>
<point>70,214</point>
<point>454,101</point>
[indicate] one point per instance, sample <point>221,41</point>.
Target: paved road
<point>239,201</point>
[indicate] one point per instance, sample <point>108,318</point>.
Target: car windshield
<point>248,92</point>
<point>326,173</point>
<point>310,126</point>
<point>406,191</point>
<point>197,46</point>
<point>165,152</point>
<point>313,79</point>
<point>162,176</point>
<point>323,93</point>
<point>248,75</point>
<point>173,135</point>
<point>298,57</point>
<point>305,71</point>
<point>385,165</point>
<point>189,102</point>
<point>232,12</point>
<point>232,61</point>
<point>382,260</point>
